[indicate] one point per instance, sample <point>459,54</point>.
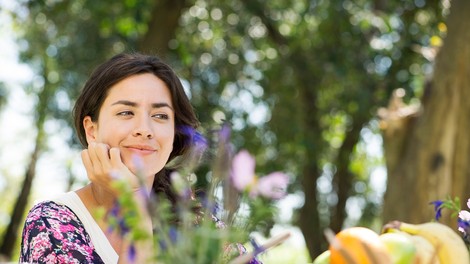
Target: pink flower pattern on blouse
<point>52,233</point>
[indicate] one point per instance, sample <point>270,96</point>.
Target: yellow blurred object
<point>358,245</point>
<point>449,246</point>
<point>424,250</point>
<point>323,258</point>
<point>400,247</point>
<point>435,41</point>
<point>442,27</point>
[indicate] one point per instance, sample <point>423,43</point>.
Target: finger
<point>115,158</point>
<point>102,153</point>
<point>94,160</point>
<point>93,166</point>
<point>99,157</point>
<point>117,163</point>
<point>121,168</point>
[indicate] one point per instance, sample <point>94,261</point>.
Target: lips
<point>141,149</point>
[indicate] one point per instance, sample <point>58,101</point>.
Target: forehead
<point>143,88</point>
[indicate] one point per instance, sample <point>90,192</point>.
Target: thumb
<point>115,157</point>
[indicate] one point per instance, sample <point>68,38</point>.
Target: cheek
<point>112,134</point>
<point>166,139</point>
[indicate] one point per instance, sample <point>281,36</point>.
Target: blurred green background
<point>363,103</point>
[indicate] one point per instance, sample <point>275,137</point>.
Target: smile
<point>141,149</point>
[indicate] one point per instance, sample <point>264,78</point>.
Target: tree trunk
<point>309,220</point>
<point>162,26</point>
<point>11,233</point>
<point>343,179</point>
<point>430,159</point>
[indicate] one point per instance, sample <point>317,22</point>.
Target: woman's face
<point>137,117</point>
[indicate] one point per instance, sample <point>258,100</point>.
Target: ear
<point>90,129</point>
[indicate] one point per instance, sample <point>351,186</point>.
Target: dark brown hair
<point>120,67</point>
<point>125,65</point>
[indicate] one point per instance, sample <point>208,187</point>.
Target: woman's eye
<point>161,116</point>
<point>125,113</point>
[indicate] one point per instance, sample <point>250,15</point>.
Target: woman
<point>133,107</point>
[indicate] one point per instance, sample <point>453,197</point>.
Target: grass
<point>285,254</point>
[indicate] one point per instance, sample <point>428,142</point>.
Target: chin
<point>143,166</point>
<point>140,172</point>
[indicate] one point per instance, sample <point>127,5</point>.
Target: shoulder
<point>47,217</point>
<point>52,232</point>
<point>52,218</point>
<point>50,210</point>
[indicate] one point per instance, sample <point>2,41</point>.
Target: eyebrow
<point>133,104</point>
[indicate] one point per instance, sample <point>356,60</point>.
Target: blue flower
<point>194,137</point>
<point>213,206</point>
<point>224,133</point>
<point>258,249</point>
<point>124,228</point>
<point>438,208</point>
<point>173,236</point>
<point>464,223</point>
<point>132,253</point>
<point>464,227</point>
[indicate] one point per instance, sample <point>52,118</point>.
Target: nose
<point>143,129</point>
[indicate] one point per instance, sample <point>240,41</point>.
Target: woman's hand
<point>104,165</point>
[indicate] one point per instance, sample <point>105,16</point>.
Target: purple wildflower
<point>273,185</point>
<point>124,228</point>
<point>464,222</point>
<point>115,209</point>
<point>180,185</point>
<point>198,145</point>
<point>258,249</point>
<point>213,206</point>
<point>173,234</point>
<point>224,133</point>
<point>114,213</point>
<point>138,163</point>
<point>243,170</point>
<point>243,177</point>
<point>196,139</point>
<point>438,208</point>
<point>163,245</point>
<point>200,141</point>
<point>464,227</point>
<point>115,175</point>
<point>132,253</point>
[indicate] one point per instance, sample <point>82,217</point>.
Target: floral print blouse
<point>53,233</point>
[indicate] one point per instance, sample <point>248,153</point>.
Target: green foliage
<point>453,205</point>
<point>349,56</point>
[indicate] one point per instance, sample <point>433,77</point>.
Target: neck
<point>100,197</point>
